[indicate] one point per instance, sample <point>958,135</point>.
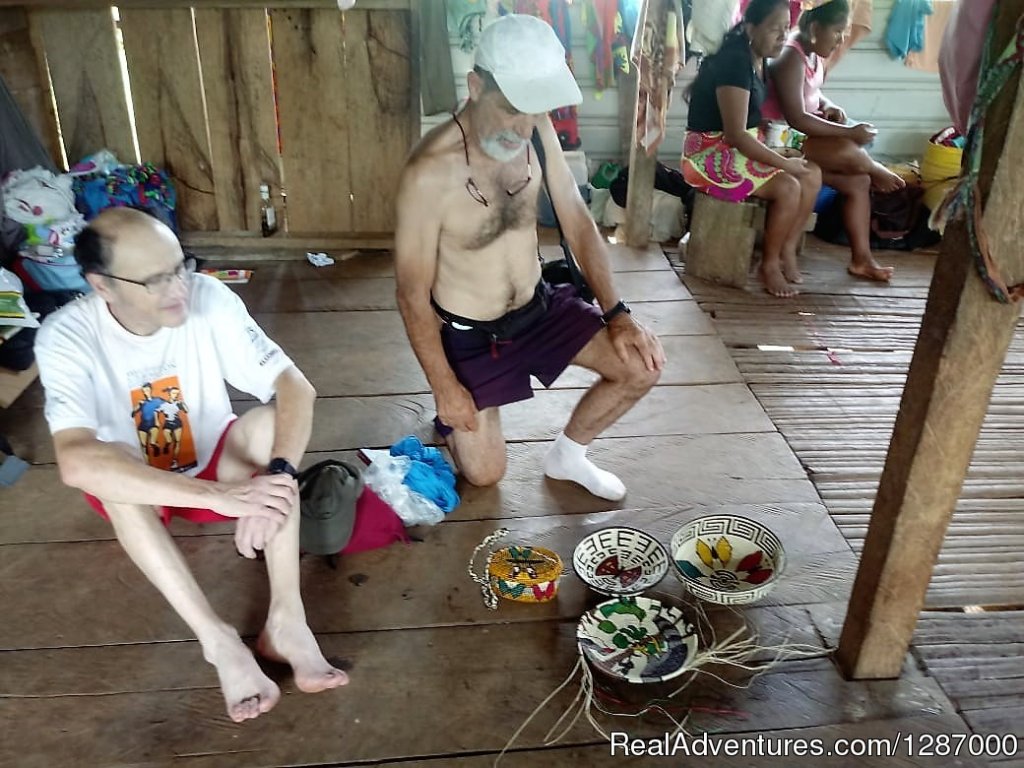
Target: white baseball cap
<point>527,61</point>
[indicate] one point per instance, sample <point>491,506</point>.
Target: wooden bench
<point>723,237</point>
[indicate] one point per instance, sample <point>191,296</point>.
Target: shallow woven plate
<point>637,639</point>
<point>620,561</point>
<point>727,559</point>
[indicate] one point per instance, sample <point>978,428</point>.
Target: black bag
<point>564,270</point>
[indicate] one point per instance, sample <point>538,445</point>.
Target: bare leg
<point>783,196</point>
<point>843,156</point>
<point>856,191</point>
<point>480,455</point>
<point>286,637</point>
<point>810,185</point>
<point>247,691</point>
<point>620,387</point>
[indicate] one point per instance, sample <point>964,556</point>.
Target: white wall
<point>905,105</point>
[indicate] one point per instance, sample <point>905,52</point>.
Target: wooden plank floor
<point>95,670</point>
<point>829,368</point>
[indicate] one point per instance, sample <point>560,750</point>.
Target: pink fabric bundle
<point>960,57</point>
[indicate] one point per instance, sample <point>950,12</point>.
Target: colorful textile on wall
<point>658,54</point>
<point>905,31</point>
<point>606,43</point>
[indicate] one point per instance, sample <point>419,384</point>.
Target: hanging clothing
<point>960,57</point>
<point>905,31</point>
<point>600,18</point>
<point>437,82</point>
<point>709,21</point>
<point>927,60</point>
<point>814,78</point>
<point>21,148</point>
<point>466,18</point>
<point>657,53</point>
<point>859,28</point>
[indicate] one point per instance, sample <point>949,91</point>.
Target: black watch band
<point>280,466</point>
<point>618,309</point>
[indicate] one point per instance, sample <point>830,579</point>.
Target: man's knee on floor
<point>484,474</point>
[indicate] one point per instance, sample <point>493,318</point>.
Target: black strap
<point>570,261</point>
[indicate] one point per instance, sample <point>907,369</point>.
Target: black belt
<point>509,325</point>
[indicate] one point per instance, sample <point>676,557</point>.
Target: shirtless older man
<point>151,323</point>
<point>479,318</point>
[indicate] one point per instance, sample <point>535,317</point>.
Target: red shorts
<point>209,472</point>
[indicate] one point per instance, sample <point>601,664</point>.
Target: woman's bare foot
<point>775,283</point>
<point>293,643</point>
<point>870,270</point>
<point>885,180</point>
<point>248,693</point>
<point>791,269</point>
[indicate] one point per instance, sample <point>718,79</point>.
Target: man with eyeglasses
<point>478,315</point>
<point>150,324</point>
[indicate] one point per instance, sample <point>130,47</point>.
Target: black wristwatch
<point>281,466</point>
<point>618,309</point>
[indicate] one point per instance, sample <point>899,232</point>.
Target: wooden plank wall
<point>237,75</point>
<point>170,116</point>
<point>309,54</point>
<point>202,81</point>
<point>85,72</point>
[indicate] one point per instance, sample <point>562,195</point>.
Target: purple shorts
<point>497,371</point>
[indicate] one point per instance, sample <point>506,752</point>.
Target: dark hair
<point>828,14</point>
<point>490,84</point>
<point>756,13</point>
<point>92,251</point>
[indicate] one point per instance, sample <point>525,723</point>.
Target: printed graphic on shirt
<point>161,422</point>
<point>261,343</point>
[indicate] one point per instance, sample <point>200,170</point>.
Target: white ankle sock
<point>567,460</point>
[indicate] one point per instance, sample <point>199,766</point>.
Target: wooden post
<point>961,347</point>
<point>640,192</point>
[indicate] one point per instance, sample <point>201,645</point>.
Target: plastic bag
<point>386,476</point>
<point>13,310</point>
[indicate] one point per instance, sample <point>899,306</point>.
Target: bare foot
<point>248,693</point>
<point>775,283</point>
<point>293,644</point>
<point>791,269</point>
<point>885,180</point>
<point>870,270</point>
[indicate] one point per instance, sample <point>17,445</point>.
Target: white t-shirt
<point>164,393</point>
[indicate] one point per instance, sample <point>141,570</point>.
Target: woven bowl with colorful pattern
<point>637,639</point>
<point>727,559</point>
<point>620,561</point>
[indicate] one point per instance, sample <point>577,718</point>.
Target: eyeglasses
<point>474,190</point>
<point>160,284</point>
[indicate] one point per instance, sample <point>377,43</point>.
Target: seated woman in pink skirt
<point>723,155</point>
<point>795,97</point>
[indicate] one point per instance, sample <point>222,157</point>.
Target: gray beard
<point>493,148</point>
